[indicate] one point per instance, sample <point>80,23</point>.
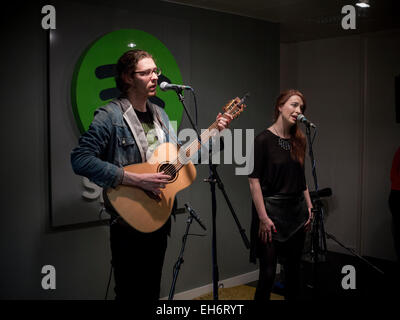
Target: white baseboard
<point>227,283</point>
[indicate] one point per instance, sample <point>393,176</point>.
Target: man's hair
<point>127,65</point>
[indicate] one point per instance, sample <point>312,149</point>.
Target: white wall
<point>381,139</point>
<point>349,86</point>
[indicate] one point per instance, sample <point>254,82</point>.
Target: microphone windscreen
<point>163,85</point>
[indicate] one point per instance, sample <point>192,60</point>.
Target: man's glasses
<point>149,72</point>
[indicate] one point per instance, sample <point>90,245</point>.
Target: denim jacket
<point>109,144</point>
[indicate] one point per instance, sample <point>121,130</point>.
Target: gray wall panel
<point>349,86</point>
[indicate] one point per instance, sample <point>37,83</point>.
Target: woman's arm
<point>258,200</point>
<point>308,198</point>
<point>309,206</point>
<point>266,224</point>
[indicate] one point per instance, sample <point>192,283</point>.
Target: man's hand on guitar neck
<point>148,181</point>
<point>223,120</point>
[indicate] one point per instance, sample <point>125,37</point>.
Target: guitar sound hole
<point>168,169</point>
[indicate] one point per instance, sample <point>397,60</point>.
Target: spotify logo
<point>93,83</point>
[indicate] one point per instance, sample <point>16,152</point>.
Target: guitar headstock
<point>234,107</point>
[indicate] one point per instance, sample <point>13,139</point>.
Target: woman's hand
<point>265,230</point>
<point>308,224</point>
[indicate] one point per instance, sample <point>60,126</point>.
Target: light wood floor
<point>242,292</point>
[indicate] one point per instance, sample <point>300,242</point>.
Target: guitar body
<point>140,208</point>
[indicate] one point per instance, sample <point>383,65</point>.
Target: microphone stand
<point>213,179</point>
<point>318,240</point>
<point>180,260</point>
<point>182,100</point>
<point>191,215</point>
<point>318,233</point>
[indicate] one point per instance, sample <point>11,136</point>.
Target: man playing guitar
<point>122,134</point>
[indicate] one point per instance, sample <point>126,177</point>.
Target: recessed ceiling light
<point>363,3</point>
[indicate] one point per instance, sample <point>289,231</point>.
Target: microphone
<point>195,216</point>
<point>164,86</point>
<point>303,119</point>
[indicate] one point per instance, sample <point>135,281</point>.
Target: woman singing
<point>281,210</point>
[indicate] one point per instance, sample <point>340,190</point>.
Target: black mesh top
<point>274,167</point>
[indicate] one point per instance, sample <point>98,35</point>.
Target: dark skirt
<point>289,213</point>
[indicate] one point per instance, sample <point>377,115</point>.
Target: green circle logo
<point>93,83</point>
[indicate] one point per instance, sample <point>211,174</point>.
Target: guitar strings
<point>174,168</point>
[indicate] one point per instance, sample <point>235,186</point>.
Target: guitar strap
<point>166,130</point>
<point>134,125</point>
<point>136,128</point>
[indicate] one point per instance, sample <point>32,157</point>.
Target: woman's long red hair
<point>297,137</point>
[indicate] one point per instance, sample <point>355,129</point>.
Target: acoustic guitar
<point>144,210</point>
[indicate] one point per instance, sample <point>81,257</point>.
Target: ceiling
<point>308,19</point>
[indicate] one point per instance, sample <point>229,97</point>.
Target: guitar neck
<point>194,147</point>
<point>233,108</point>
